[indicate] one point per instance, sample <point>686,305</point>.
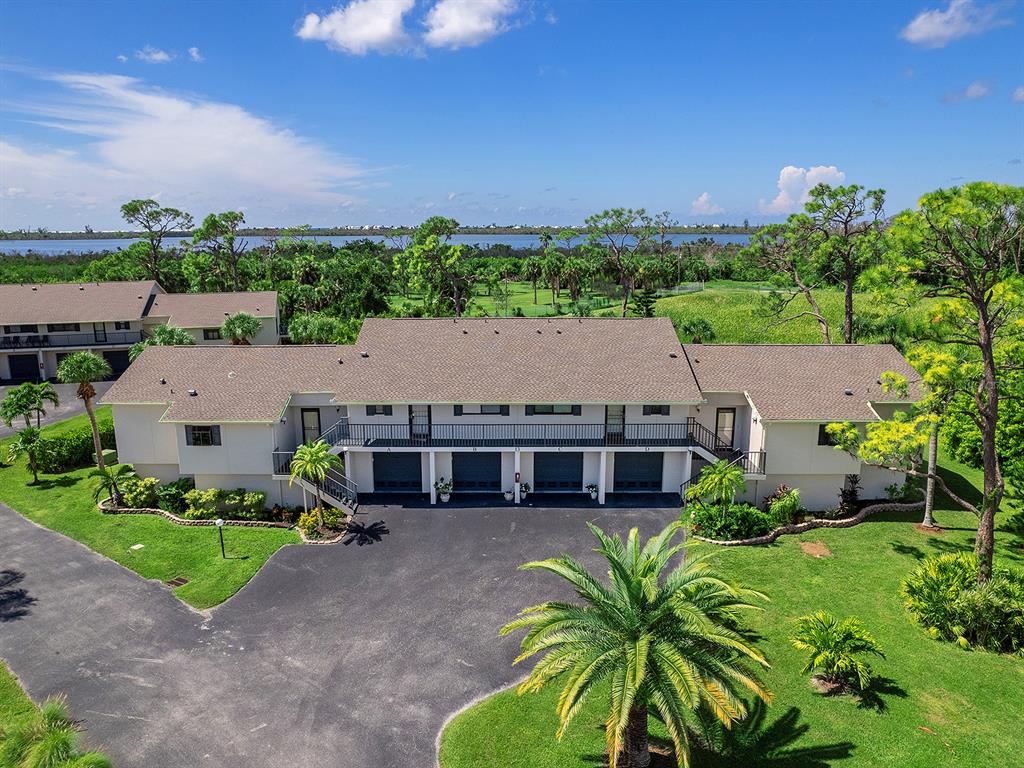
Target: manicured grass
<point>65,503</point>
<point>16,708</point>
<point>940,705</point>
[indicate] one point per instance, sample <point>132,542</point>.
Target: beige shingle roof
<point>803,381</point>
<point>74,302</point>
<point>209,310</point>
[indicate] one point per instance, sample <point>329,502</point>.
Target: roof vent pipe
<point>192,393</point>
<point>848,392</point>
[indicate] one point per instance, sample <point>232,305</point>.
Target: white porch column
<point>42,365</point>
<point>602,479</point>
<point>687,465</point>
<point>515,478</point>
<point>432,461</point>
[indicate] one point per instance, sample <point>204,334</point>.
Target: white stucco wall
<point>142,438</point>
<point>277,491</point>
<point>245,449</point>
<point>793,449</point>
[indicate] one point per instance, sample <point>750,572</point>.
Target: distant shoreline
<point>355,232</point>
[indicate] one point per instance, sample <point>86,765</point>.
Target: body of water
<point>64,247</point>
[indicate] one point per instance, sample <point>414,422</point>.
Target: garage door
<point>24,367</point>
<point>638,472</point>
<point>397,473</point>
<point>118,360</point>
<point>479,472</point>
<point>558,472</point>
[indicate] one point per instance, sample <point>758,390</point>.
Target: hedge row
<point>73,448</point>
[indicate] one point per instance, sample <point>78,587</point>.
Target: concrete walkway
<point>332,656</point>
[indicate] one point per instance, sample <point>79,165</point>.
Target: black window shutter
<point>371,411</point>
<point>458,410</point>
<point>387,410</point>
<point>529,410</point>
<point>504,410</point>
<point>188,435</point>
<point>215,435</point>
<point>647,410</point>
<point>577,410</point>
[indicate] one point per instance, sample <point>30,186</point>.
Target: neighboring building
<point>43,323</point>
<point>202,314</point>
<point>491,403</point>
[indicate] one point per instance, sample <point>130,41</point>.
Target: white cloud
<point>152,55</point>
<point>794,184</point>
<point>122,58</point>
<point>457,23</point>
<point>1018,94</point>
<point>133,141</point>
<point>976,90</point>
<point>703,206</point>
<point>195,54</point>
<point>962,18</point>
<point>361,26</point>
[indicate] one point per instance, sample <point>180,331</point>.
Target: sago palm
<point>659,640</point>
<point>311,463</point>
<point>83,368</point>
<point>832,648</point>
<point>720,482</point>
<point>109,481</point>
<point>240,327</point>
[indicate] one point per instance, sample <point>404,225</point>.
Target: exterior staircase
<point>338,490</point>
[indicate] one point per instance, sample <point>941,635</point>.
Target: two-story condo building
<point>559,404</point>
<point>42,323</point>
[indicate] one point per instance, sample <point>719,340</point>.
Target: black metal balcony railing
<point>679,434</point>
<point>81,339</point>
<point>335,484</point>
<point>282,462</point>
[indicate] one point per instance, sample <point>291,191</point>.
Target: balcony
<point>79,339</point>
<point>688,433</point>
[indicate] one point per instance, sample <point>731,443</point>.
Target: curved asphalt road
<point>331,656</point>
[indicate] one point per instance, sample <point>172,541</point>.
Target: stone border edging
<point>810,525</point>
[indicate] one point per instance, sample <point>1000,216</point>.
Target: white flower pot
<point>446,497</point>
<point>593,495</point>
<point>509,495</point>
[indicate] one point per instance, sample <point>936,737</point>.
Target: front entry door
<point>419,422</point>
<point>614,423</point>
<point>310,425</point>
<point>99,330</point>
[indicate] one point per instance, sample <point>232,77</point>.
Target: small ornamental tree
<point>240,328</point>
<point>833,648</point>
<point>311,463</point>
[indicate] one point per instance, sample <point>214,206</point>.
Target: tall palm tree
<point>109,481</point>
<point>661,641</point>
<point>311,463</point>
<point>50,740</point>
<point>83,368</point>
<point>720,481</point>
<point>26,442</point>
<point>39,395</point>
<point>240,327</point>
<point>17,404</point>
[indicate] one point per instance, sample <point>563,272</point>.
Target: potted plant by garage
<point>510,495</point>
<point>524,490</point>
<point>444,489</point>
<point>592,487</point>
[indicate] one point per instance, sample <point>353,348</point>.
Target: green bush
<point>832,648</point>
<point>784,507</point>
<point>73,448</point>
<point>944,596</point>
<point>308,523</point>
<point>237,504</point>
<point>203,505</point>
<point>139,492</point>
<point>171,497</point>
<point>737,521</point>
<point>333,517</point>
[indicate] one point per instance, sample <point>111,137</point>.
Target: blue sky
<point>506,111</point>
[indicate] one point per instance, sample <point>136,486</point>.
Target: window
<point>553,410</point>
<point>482,410</point>
<point>211,334</point>
<point>122,325</point>
<point>824,438</point>
<point>725,425</point>
<point>378,410</point>
<point>656,410</point>
<point>56,327</point>
<point>21,329</point>
<point>208,434</point>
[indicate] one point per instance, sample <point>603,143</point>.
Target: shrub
<point>903,492</point>
<point>832,648</point>
<point>308,523</point>
<point>333,517</point>
<point>139,492</point>
<point>849,496</point>
<point>202,505</point>
<point>241,504</point>
<point>943,595</point>
<point>171,497</point>
<point>737,521</point>
<point>783,507</point>
<point>73,448</point>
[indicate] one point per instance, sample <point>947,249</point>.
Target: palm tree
<point>27,399</point>
<point>832,647</point>
<point>27,442</point>
<point>50,739</point>
<point>311,463</point>
<point>661,641</point>
<point>109,481</point>
<point>720,481</point>
<point>39,395</point>
<point>83,368</point>
<point>240,327</point>
<point>533,270</point>
<point>162,336</point>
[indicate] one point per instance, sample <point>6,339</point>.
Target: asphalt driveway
<point>69,406</point>
<point>332,655</point>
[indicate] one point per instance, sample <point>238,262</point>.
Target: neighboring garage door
<point>479,472</point>
<point>558,472</point>
<point>24,367</point>
<point>118,360</point>
<point>397,473</point>
<point>638,472</point>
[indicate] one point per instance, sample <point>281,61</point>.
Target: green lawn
<point>940,705</point>
<point>16,708</point>
<point>65,504</point>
